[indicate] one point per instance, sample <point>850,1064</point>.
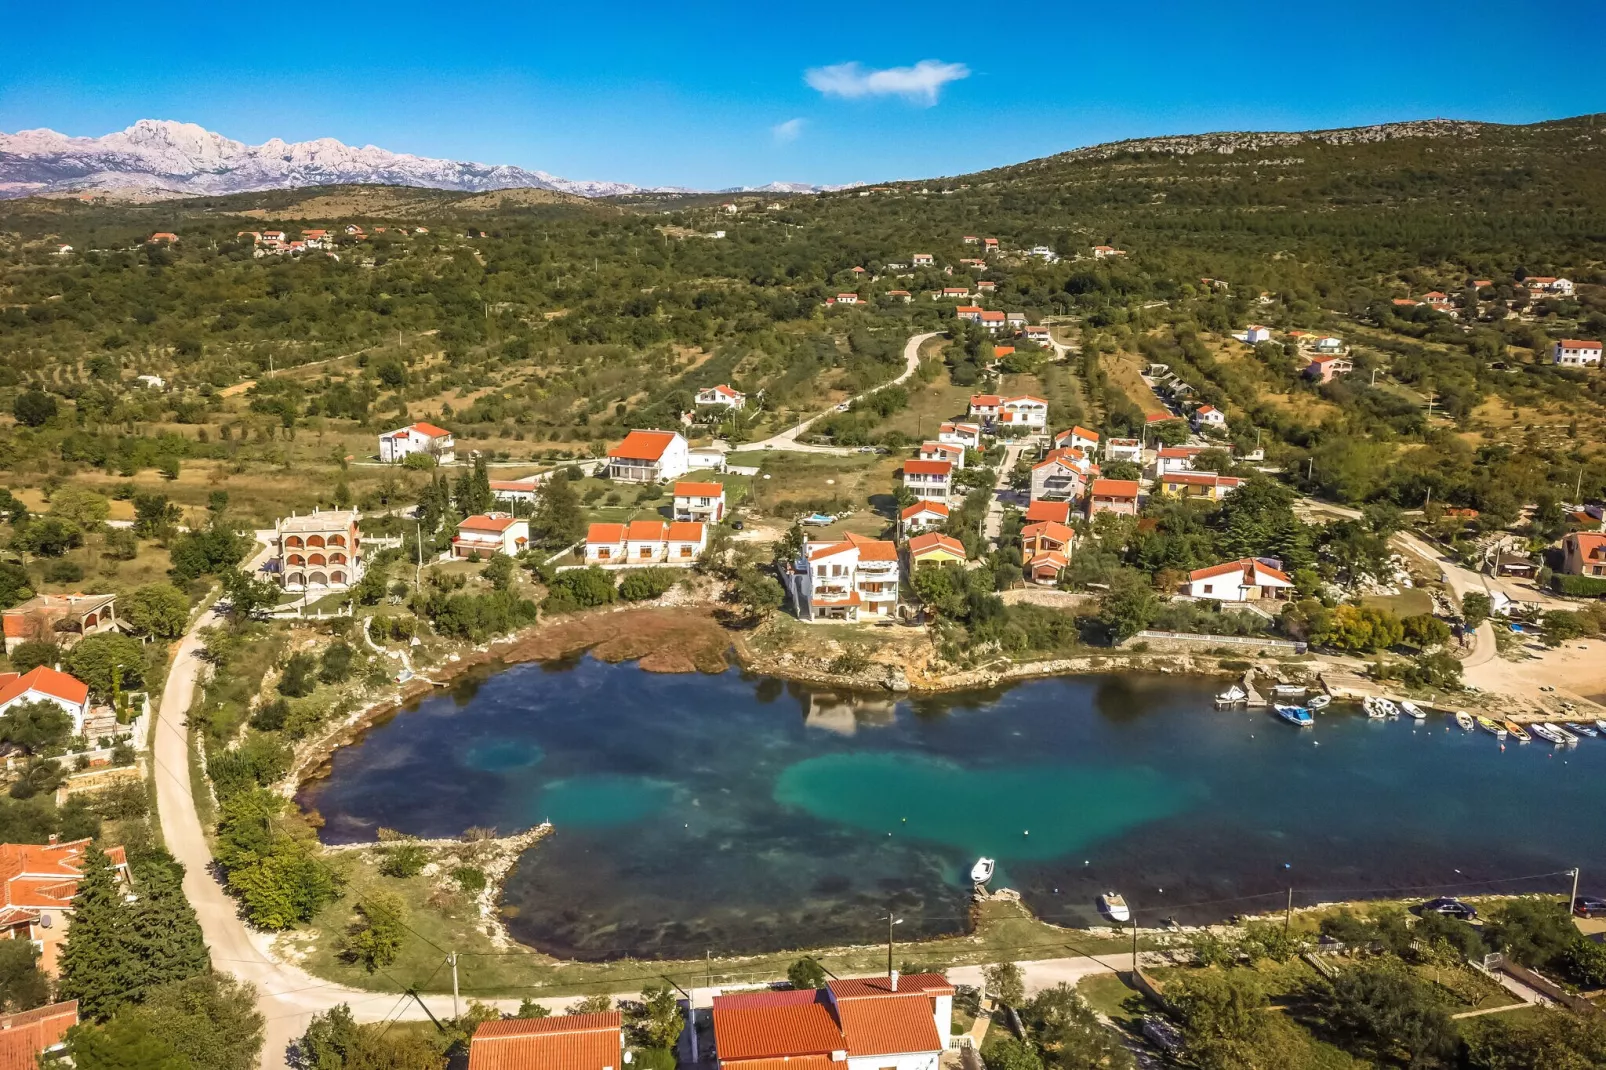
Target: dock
<point>1348,686</point>
<point>1255,701</point>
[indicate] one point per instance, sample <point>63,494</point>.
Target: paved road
<point>993,524</point>
<point>787,440</point>
<point>1046,973</point>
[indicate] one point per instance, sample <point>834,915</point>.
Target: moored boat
<point>1290,689</point>
<point>1388,707</point>
<point>1464,719</point>
<point>1411,709</point>
<point>1546,732</point>
<point>1519,733</point>
<point>1233,696</point>
<point>1566,736</point>
<point>1600,724</point>
<point>1319,702</point>
<point>982,871</point>
<point>1112,906</point>
<point>1295,715</point>
<point>1582,729</point>
<point>1374,708</point>
<point>1493,727</point>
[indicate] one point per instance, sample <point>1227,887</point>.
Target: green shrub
<point>1578,586</point>
<point>404,860</point>
<point>640,585</point>
<point>579,588</point>
<point>470,878</point>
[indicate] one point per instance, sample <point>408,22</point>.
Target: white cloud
<point>919,84</point>
<point>788,131</point>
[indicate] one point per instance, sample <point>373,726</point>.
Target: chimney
<point>53,839</point>
<point>894,980</point>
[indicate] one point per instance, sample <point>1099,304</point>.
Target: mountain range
<point>162,158</point>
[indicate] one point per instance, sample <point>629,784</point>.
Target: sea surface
<point>734,813</point>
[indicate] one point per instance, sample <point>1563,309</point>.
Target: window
<point>1209,587</point>
<point>602,553</point>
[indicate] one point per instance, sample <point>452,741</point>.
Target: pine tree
<point>483,498</point>
<point>558,519</point>
<point>96,967</point>
<point>166,935</point>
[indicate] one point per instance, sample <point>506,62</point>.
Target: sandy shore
<point>1576,671</point>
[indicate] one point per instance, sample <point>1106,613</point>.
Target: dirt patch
<point>662,640</point>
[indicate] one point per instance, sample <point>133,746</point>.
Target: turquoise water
<point>739,813</point>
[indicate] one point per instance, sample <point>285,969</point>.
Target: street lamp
<point>891,921</point>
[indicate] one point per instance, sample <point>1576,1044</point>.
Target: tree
<point>154,515</point>
<point>1555,1040</point>
<point>96,967</point>
<point>1128,607</point>
<point>660,1019</point>
<point>124,1043</point>
<point>1225,1024</point>
<point>644,584</point>
<point>211,1019</point>
<point>1475,608</point>
<point>159,610</point>
<point>806,973</point>
<point>108,662</point>
<point>34,653</point>
<point>1534,932</point>
<point>1424,631</point>
<point>247,596</point>
<point>579,588</point>
<point>335,1041</point>
<point>498,571</point>
<point>214,551</point>
<point>375,938</point>
<point>37,727</point>
<point>529,1008</point>
<point>334,666</point>
<point>34,408</point>
<point>23,985</point>
<point>758,592</point>
<point>591,1005</point>
<point>1011,1054</point>
<point>1005,983</point>
<point>1070,1034</point>
<point>1360,629</point>
<point>47,536</point>
<point>1379,1012</point>
<point>165,933</point>
<point>558,519</point>
<point>81,506</point>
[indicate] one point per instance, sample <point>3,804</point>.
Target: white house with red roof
<point>646,542</point>
<point>1124,449</point>
<point>1584,554</point>
<point>960,433</point>
<point>1209,416</point>
<point>1119,496</point>
<point>1104,252</point>
<point>1023,410</point>
<point>1548,284</point>
<point>704,502</point>
<point>969,312</point>
<point>1061,476</point>
<point>1169,460</point>
<point>1246,580</point>
<point>720,397</point>
<point>929,480</point>
<point>854,579</point>
<point>993,321</point>
<point>1207,485</point>
<point>1079,438</point>
<point>524,489</point>
<point>561,1042</point>
<point>37,885</point>
<point>943,451</point>
<point>1576,353</point>
<point>45,684</point>
<point>394,446</point>
<point>922,259</point>
<point>922,516</point>
<point>605,544</point>
<point>648,457</point>
<point>852,1024</point>
<point>491,533</point>
<point>985,407</point>
<point>1057,511</point>
<point>320,550</point>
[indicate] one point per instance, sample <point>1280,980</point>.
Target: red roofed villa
<point>394,446</point>
<point>1246,580</point>
<point>37,884</point>
<point>648,457</point>
<point>565,1042</point>
<point>491,533</point>
<point>1119,496</point>
<point>45,684</point>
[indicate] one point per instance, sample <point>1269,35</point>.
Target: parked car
<point>1589,906</point>
<point>1448,906</point>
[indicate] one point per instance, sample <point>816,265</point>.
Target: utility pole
<point>891,921</point>
<point>418,569</point>
<point>1288,916</point>
<point>1574,899</point>
<point>452,958</point>
<point>1134,946</point>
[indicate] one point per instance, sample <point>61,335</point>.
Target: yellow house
<point>935,548</point>
<point>1200,485</point>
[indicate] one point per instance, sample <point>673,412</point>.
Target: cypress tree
<point>165,934</point>
<point>96,967</point>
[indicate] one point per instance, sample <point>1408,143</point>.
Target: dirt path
<point>787,440</point>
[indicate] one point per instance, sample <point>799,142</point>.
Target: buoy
<point>1288,865</point>
<point>1028,832</point>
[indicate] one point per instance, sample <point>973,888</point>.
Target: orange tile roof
<point>873,549</point>
<point>935,540</point>
<point>891,1025</point>
<point>1051,529</point>
<point>992,317</point>
<point>770,1031</point>
<point>1048,557</point>
<point>570,1042</point>
<point>1590,544</point>
<point>924,507</point>
<point>1202,479</point>
<point>43,876</point>
<point>1115,488</point>
<point>985,400</point>
<point>1248,566</point>
<point>1574,343</point>
<point>487,522</point>
<point>643,445</point>
<point>46,681</point>
<point>1081,432</point>
<point>928,468</point>
<point>932,984</point>
<point>785,1062</point>
<point>646,531</point>
<point>610,534</point>
<point>25,1034</point>
<point>1059,512</point>
<point>430,429</point>
<point>699,490</point>
<point>686,531</point>
<point>1177,452</point>
<point>1159,417</point>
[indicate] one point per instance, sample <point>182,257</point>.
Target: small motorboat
<point>1413,710</point>
<point>1600,724</point>
<point>1518,733</point>
<point>982,871</point>
<point>1493,727</point>
<point>1295,715</point>
<point>1233,696</point>
<point>1388,707</point>
<point>1112,906</point>
<point>1319,702</point>
<point>1566,736</point>
<point>1374,708</point>
<point>1464,720</point>
<point>1582,729</point>
<point>1290,689</point>
<point>1546,732</point>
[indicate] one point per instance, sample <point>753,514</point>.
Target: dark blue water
<point>736,813</point>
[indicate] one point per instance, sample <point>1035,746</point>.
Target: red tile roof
<point>1202,479</point>
<point>45,681</point>
<point>1590,544</point>
<point>686,531</point>
<point>643,445</point>
<point>1159,417</point>
<point>927,468</point>
<point>430,429</point>
<point>985,400</point>
<point>873,549</point>
<point>1081,432</point>
<point>1180,452</point>
<point>44,876</point>
<point>1051,529</point>
<point>1115,488</point>
<point>935,540</point>
<point>646,531</point>
<point>890,1025</point>
<point>488,522</point>
<point>571,1042</point>
<point>1574,343</point>
<point>775,1030</point>
<point>924,507</point>
<point>25,1034</point>
<point>1059,512</point>
<point>1052,558</point>
<point>699,490</point>
<point>608,534</point>
<point>1251,569</point>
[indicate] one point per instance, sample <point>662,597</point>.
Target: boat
<point>982,871</point>
<point>1546,732</point>
<point>1388,707</point>
<point>1600,724</point>
<point>1582,729</point>
<point>1295,715</point>
<point>1566,736</point>
<point>1319,702</point>
<point>1412,709</point>
<point>1232,696</point>
<point>1493,727</point>
<point>1519,733</point>
<point>1290,689</point>
<point>1374,708</point>
<point>1464,720</point>
<point>1112,906</point>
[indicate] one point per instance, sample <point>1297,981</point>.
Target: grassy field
<point>1408,603</point>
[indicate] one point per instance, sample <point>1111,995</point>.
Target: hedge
<point>1579,586</point>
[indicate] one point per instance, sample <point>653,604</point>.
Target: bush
<point>270,716</point>
<point>1578,586</point>
<point>335,666</point>
<point>641,585</point>
<point>579,588</point>
<point>404,860</point>
<point>300,676</point>
<point>63,572</point>
<point>470,878</point>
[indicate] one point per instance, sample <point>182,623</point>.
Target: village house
<point>986,286</point>
<point>971,239</point>
<point>26,1035</point>
<point>1057,511</point>
<point>953,293</point>
<point>961,434</point>
<point>1015,319</point>
<point>1404,302</point>
<point>1172,459</point>
<point>1154,418</point>
<point>1437,300</point>
<point>851,580</point>
<point>993,321</point>
<point>317,239</point>
<point>943,451</point>
<point>63,250</point>
<point>935,548</point>
<point>1124,449</point>
<point>1102,252</point>
<point>721,397</point>
<point>1255,334</point>
<point>648,457</point>
<point>646,542</point>
<point>1200,485</point>
<point>1584,554</point>
<point>969,312</point>
<point>1045,536</point>
<point>1037,333</point>
<point>1003,351</point>
<point>354,231</point>
<point>989,245</point>
<point>985,407</point>
<point>561,1042</point>
<point>605,544</point>
<point>843,299</point>
<point>1324,369</point>
<point>320,550</point>
<point>491,533</point>
<point>1548,284</point>
<point>62,619</point>
<point>1329,344</point>
<point>1119,496</point>
<point>922,260</point>
<point>1062,475</point>
<point>903,295</point>
<point>922,515</point>
<point>45,684</point>
<point>37,885</point>
<point>1078,438</point>
<point>1023,410</point>
<point>1246,580</point>
<point>1044,253</point>
<point>702,502</point>
<point>929,480</point>
<point>162,237</point>
<point>1576,353</point>
<point>395,446</point>
<point>1209,416</point>
<point>525,489</point>
<point>880,1023</point>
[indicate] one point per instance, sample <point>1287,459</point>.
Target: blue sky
<point>715,95</point>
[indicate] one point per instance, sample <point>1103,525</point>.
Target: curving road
<point>787,440</point>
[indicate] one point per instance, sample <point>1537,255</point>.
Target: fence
<point>1194,638</point>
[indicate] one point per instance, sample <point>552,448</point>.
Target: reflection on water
<point>704,813</point>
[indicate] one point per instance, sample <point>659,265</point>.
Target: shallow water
<point>737,813</point>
